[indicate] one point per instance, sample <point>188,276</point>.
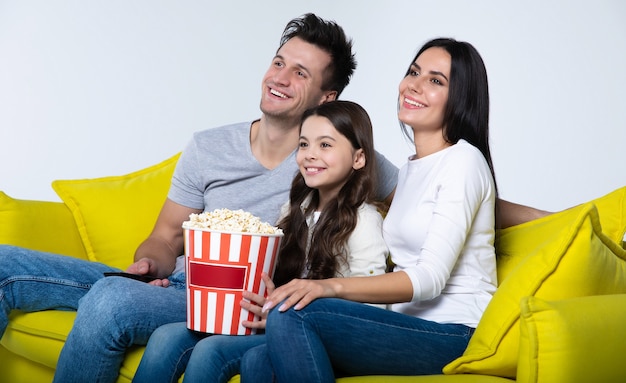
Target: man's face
<point>293,82</point>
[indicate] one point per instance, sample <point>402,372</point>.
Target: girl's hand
<point>299,293</point>
<point>254,303</point>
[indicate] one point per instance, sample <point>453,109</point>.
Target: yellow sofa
<point>558,314</point>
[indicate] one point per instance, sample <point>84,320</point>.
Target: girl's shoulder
<point>369,211</point>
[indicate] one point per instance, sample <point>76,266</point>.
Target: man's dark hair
<point>329,37</point>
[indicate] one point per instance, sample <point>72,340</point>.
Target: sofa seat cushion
<point>461,378</point>
<point>38,336</point>
<point>17,369</point>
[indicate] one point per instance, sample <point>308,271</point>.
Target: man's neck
<point>272,142</point>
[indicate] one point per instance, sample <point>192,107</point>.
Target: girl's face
<point>424,91</point>
<point>325,157</point>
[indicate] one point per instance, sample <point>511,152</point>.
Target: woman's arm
<point>386,288</point>
<point>511,214</point>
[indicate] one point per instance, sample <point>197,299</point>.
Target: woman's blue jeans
<point>335,337</point>
<point>173,350</point>
<point>113,313</point>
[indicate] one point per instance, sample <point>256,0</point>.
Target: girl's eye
<point>325,145</point>
<point>303,145</point>
<point>414,73</point>
<point>436,81</point>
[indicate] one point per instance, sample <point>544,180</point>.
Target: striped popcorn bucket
<point>219,267</point>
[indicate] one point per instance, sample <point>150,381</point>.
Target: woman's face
<point>424,91</point>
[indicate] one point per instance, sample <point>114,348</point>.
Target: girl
<point>331,228</point>
<point>440,233</point>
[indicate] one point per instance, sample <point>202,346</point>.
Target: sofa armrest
<point>573,340</point>
<point>39,225</point>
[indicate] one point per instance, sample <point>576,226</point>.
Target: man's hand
<point>254,303</point>
<point>147,266</point>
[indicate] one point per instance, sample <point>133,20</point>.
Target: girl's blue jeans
<point>173,349</point>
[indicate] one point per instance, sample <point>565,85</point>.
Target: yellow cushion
<point>575,259</point>
<point>576,340</point>
<point>39,225</point>
<point>514,243</point>
<point>17,369</point>
<point>612,211</point>
<point>115,214</point>
<point>38,336</point>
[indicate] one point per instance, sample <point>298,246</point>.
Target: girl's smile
<point>326,157</point>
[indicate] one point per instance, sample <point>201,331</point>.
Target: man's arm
<point>157,254</point>
<point>511,214</point>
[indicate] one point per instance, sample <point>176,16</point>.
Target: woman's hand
<point>254,303</point>
<point>298,293</point>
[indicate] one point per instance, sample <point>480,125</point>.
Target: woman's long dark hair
<point>467,110</point>
<point>327,251</point>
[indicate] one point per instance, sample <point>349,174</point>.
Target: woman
<point>440,233</point>
<point>332,229</point>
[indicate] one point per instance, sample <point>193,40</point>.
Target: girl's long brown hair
<point>328,248</point>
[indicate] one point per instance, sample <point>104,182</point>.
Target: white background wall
<point>97,88</point>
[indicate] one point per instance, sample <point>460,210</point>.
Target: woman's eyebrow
<point>431,72</point>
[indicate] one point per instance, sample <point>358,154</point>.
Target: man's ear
<point>329,96</point>
<point>359,160</point>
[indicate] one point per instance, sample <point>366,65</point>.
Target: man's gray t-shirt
<point>217,170</point>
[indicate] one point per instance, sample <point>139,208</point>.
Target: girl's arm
<point>386,288</point>
<point>367,251</point>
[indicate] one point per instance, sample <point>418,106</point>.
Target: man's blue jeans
<point>334,336</point>
<point>112,313</point>
<point>215,358</point>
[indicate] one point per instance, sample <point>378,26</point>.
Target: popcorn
<point>234,221</point>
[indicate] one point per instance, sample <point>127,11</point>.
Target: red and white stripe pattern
<point>219,267</point>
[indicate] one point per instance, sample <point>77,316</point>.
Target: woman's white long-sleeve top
<point>440,231</point>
